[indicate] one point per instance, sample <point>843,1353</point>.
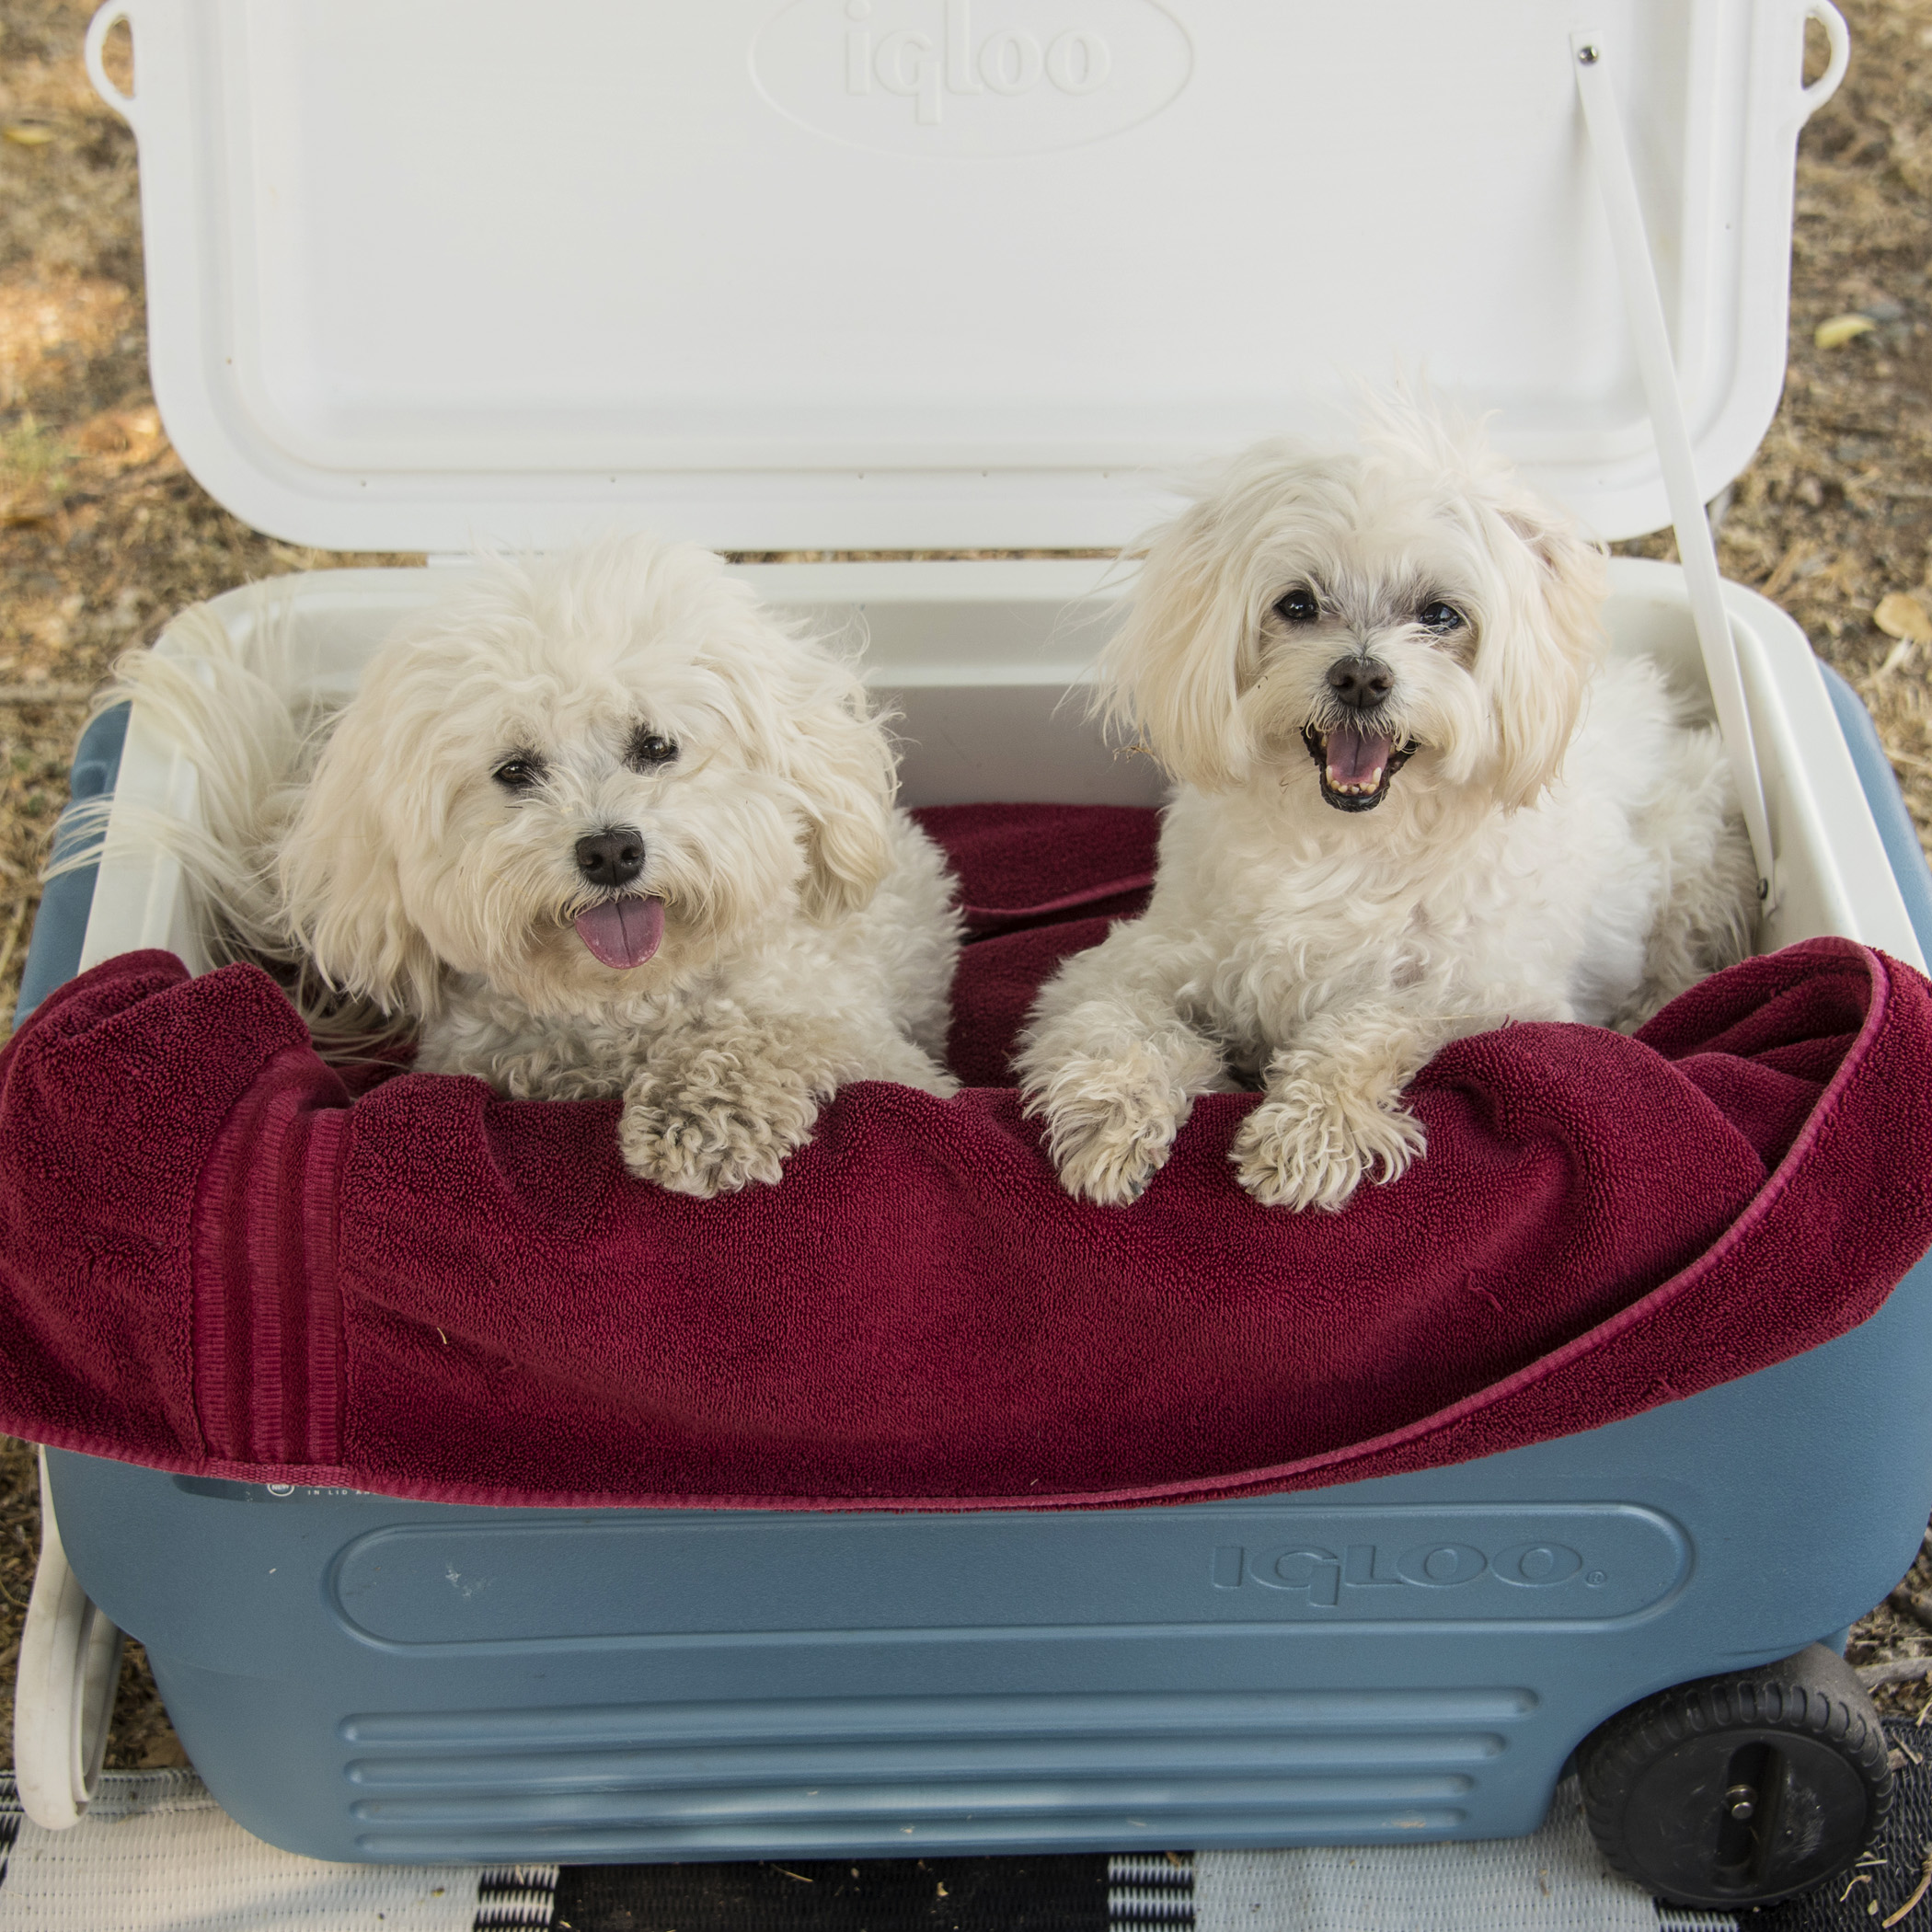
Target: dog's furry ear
<point>1172,671</point>
<point>808,711</point>
<point>847,773</point>
<point>1537,662</point>
<point>341,889</point>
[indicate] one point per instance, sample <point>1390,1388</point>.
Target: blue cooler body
<point>1414,1657</point>
<point>792,280</point>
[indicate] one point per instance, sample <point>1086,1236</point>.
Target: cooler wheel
<point>1737,1790</point>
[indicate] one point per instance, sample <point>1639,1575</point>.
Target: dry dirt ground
<point>103,534</point>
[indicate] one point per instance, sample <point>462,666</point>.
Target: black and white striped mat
<point>155,1854</point>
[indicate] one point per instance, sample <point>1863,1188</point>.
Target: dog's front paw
<point>695,1137</point>
<point>1110,1126</point>
<point>1310,1145</point>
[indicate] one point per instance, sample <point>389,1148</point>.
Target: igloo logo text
<point>925,68</point>
<point>967,77</point>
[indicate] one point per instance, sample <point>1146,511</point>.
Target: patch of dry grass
<point>103,534</point>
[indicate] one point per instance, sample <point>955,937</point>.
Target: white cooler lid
<point>924,273</point>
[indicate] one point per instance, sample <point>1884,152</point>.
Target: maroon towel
<point>212,1259</point>
<point>1035,884</point>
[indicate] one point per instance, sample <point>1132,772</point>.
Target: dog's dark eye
<point>519,774</point>
<point>1299,606</point>
<point>649,748</point>
<point>1440,617</point>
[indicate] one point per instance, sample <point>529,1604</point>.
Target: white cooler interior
<point>985,662</point>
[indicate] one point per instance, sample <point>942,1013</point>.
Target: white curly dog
<point>594,823</point>
<point>1415,802</point>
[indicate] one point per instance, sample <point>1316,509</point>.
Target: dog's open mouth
<point>625,932</point>
<point>1355,766</point>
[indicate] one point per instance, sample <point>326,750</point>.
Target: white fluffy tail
<point>248,716</point>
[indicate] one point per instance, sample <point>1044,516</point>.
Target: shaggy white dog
<point>1414,803</point>
<point>596,823</point>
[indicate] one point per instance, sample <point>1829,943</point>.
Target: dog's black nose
<point>610,857</point>
<point>1360,683</point>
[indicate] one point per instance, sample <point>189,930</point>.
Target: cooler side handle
<point>92,49</point>
<point>1837,36</point>
<point>63,1688</point>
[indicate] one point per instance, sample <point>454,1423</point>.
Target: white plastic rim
<point>63,1690</point>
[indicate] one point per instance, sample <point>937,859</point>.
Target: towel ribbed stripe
<point>268,1375</point>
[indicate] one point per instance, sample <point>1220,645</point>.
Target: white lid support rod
<point>1644,307</point>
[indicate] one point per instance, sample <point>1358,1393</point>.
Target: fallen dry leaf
<point>121,439</point>
<point>1899,615</point>
<point>1840,330</point>
<point>28,506</point>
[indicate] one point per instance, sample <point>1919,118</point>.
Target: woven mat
<point>157,1854</point>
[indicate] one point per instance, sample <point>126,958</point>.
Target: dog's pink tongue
<point>623,931</point>
<point>1354,759</point>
